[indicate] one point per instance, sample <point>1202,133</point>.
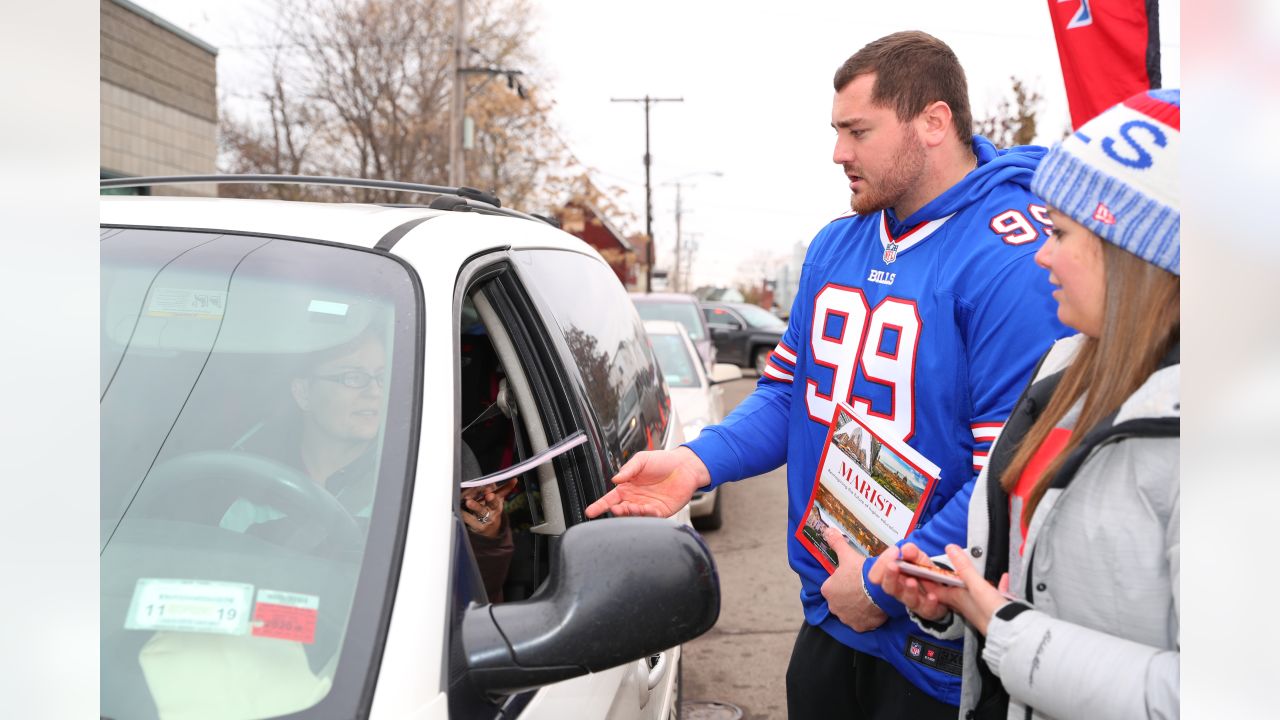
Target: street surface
<point>743,659</point>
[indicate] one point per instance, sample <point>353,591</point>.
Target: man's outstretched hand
<point>656,483</point>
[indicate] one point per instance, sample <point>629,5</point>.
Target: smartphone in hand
<point>940,575</point>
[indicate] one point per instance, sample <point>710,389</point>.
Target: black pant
<point>827,679</point>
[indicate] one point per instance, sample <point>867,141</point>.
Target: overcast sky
<point>756,84</point>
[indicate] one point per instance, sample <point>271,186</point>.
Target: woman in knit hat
<point>1069,603</point>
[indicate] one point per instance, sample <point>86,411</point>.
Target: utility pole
<point>457,173</point>
<point>676,281</point>
<point>648,187</point>
<point>691,246</point>
<point>458,95</point>
<point>681,271</point>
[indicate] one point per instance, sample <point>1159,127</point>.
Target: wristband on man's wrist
<point>865,591</point>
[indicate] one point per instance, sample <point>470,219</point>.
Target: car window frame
<point>548,372</point>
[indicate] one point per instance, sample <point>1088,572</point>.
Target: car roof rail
<point>450,198</point>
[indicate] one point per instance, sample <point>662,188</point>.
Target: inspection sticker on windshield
<point>190,606</point>
<point>186,302</point>
<point>286,616</point>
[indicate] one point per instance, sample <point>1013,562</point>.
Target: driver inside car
<point>337,398</point>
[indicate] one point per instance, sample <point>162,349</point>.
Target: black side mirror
<point>620,589</point>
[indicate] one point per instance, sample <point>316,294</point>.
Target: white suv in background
<point>436,344</point>
<point>698,398</point>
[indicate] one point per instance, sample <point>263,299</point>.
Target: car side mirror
<point>724,372</point>
<point>721,328</point>
<point>620,589</point>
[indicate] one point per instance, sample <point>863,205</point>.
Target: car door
<point>623,388</point>
<point>728,332</point>
<point>568,376</point>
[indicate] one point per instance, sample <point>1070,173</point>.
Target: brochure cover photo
<point>868,489</point>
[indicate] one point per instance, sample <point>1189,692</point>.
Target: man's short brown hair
<point>913,69</point>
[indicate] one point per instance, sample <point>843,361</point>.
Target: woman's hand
<point>919,596</point>
<point>978,600</point>
<point>482,508</point>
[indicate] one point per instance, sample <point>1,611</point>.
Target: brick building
<point>625,255</point>
<point>159,101</point>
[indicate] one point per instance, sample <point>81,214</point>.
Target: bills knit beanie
<point>1118,176</point>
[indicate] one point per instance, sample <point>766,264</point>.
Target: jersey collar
<point>910,238</point>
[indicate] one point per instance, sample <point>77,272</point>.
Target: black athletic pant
<point>827,679</point>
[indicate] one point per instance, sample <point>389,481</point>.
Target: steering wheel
<point>199,487</point>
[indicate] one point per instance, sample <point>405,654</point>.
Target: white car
<point>293,395</point>
<point>698,398</point>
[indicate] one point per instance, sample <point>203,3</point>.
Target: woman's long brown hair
<point>1140,324</point>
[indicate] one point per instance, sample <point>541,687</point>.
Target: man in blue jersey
<point>925,311</point>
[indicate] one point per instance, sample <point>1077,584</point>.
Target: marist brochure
<point>870,490</point>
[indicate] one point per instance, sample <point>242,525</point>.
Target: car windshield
<point>684,313</point>
<point>758,317</point>
<point>256,397</point>
<point>673,358</point>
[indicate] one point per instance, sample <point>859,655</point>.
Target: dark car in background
<point>743,334</point>
<point>681,308</point>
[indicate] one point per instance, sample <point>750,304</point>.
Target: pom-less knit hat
<point>1118,177</point>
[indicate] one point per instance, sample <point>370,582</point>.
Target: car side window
<point>607,343</point>
<point>722,317</point>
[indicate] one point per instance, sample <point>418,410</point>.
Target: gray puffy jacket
<point>1097,635</point>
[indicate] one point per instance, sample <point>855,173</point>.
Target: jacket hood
<point>1013,165</point>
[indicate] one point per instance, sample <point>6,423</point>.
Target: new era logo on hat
<point>1118,176</point>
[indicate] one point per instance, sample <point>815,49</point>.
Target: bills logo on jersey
<point>1103,214</point>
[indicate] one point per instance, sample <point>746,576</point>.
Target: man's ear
<point>301,390</point>
<point>933,124</point>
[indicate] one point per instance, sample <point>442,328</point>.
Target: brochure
<point>870,489</point>
<point>530,463</point>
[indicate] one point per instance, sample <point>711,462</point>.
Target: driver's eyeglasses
<point>355,379</point>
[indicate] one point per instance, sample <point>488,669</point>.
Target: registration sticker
<point>185,302</point>
<point>286,616</point>
<point>190,606</point>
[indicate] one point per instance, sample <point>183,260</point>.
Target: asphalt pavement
<point>743,659</point>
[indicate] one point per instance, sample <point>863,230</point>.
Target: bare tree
<point>758,268</point>
<point>361,88</point>
<point>1013,122</point>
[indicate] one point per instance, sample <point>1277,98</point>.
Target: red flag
<point>1110,50</point>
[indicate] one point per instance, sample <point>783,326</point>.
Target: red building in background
<point>625,255</point>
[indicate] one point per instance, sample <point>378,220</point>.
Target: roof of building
<point>161,22</point>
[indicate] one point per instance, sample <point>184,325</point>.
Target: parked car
<point>250,347</point>
<point>697,397</point>
<point>684,309</point>
<point>744,334</point>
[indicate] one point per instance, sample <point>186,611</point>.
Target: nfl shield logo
<point>915,649</point>
<point>891,253</point>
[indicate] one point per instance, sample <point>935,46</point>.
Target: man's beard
<point>899,179</point>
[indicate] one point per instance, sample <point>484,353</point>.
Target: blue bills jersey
<point>929,327</point>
